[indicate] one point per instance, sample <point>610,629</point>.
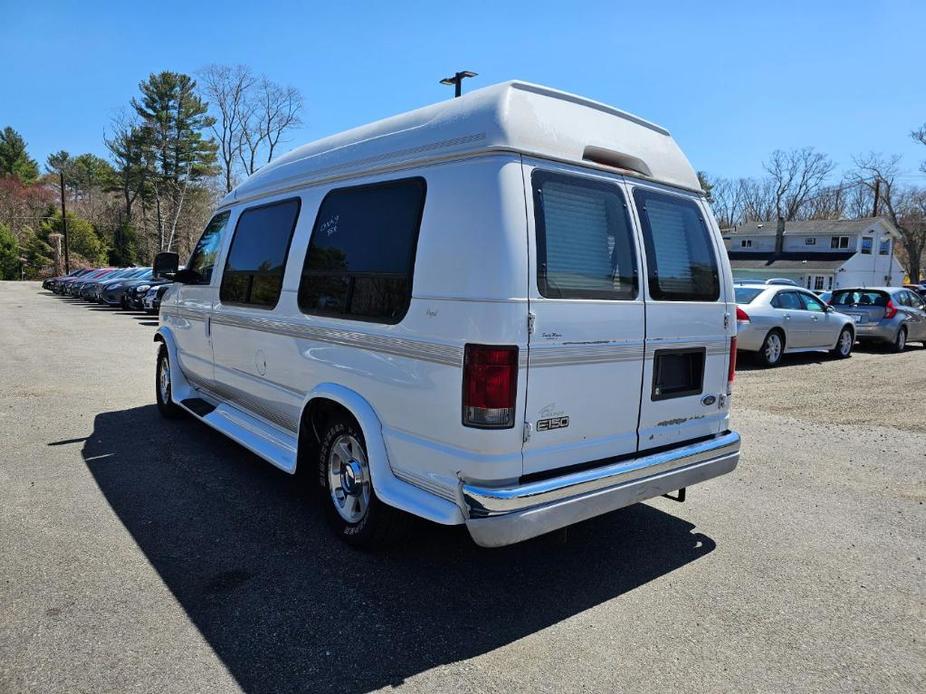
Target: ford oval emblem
<point>708,400</point>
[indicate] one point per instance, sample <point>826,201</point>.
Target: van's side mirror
<point>187,276</point>
<point>166,265</point>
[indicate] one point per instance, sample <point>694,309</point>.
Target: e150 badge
<point>552,423</point>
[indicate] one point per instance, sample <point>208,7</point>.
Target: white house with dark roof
<point>819,254</point>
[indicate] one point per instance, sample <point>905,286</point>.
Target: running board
<point>198,406</point>
<point>276,446</point>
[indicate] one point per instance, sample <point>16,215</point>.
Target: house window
<point>885,247</point>
<point>829,282</point>
<point>867,243</point>
<point>818,283</point>
<point>746,243</point>
<point>839,242</point>
<point>810,241</point>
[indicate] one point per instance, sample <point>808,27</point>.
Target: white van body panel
<point>586,361</point>
<point>707,325</point>
<point>474,281</point>
<point>511,117</point>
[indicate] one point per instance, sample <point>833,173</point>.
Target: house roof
<point>509,117</point>
<point>788,261</point>
<point>819,227</point>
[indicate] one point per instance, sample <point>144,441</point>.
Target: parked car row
<point>130,288</point>
<point>774,319</point>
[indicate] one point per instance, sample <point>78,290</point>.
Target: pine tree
<point>9,254</point>
<point>173,119</point>
<point>14,160</point>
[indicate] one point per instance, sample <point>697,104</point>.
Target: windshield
<point>858,297</point>
<point>745,295</point>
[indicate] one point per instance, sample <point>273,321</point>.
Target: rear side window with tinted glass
<point>745,295</point>
<point>681,263</point>
<point>788,300</point>
<point>361,256</point>
<point>253,273</point>
<point>585,246</point>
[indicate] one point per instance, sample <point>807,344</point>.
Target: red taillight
<point>490,386</point>
<point>890,310</point>
<point>741,315</point>
<point>731,373</point>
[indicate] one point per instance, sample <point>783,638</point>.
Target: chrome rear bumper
<point>503,516</point>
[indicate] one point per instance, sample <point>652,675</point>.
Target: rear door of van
<point>688,318</point>
<point>585,356</point>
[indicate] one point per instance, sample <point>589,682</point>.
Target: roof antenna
<point>457,81</point>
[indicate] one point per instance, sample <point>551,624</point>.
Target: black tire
<point>844,345</point>
<point>766,355</point>
<point>166,406</point>
<point>900,341</point>
<point>378,524</point>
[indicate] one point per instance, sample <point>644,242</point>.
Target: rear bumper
<point>749,338</point>
<point>884,330</point>
<point>503,516</point>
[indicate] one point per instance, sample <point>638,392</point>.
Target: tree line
<point>798,184</point>
<point>173,151</point>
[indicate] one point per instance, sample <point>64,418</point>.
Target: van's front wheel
<point>163,387</point>
<point>354,511</point>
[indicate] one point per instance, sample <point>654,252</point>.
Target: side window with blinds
<point>681,264</point>
<point>585,247</point>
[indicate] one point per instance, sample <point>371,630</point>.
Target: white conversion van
<point>511,310</point>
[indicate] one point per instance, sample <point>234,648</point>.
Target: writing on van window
<point>364,270</point>
<point>254,269</point>
<point>329,226</point>
<point>584,242</point>
<point>681,264</point>
<point>202,259</point>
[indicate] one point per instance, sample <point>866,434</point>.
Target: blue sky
<point>731,80</point>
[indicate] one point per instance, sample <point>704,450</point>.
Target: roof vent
<point>617,160</point>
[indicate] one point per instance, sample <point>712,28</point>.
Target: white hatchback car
<point>511,310</point>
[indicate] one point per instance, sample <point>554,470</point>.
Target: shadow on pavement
<point>286,606</point>
<point>747,361</point>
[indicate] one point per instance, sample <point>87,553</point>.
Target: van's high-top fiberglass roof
<point>508,117</point>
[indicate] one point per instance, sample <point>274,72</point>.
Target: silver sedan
<point>773,320</point>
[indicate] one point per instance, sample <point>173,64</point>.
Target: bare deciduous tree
<point>920,136</point>
<point>228,89</point>
<point>271,111</point>
<point>904,206</point>
<point>797,175</point>
<point>252,115</point>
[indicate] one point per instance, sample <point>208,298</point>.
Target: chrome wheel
<point>349,478</point>
<point>773,348</point>
<point>164,381</point>
<point>845,343</point>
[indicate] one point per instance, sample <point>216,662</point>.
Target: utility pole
<point>874,207</point>
<point>64,226</point>
<point>457,81</point>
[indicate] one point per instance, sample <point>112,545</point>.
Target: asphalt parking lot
<point>151,555</point>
